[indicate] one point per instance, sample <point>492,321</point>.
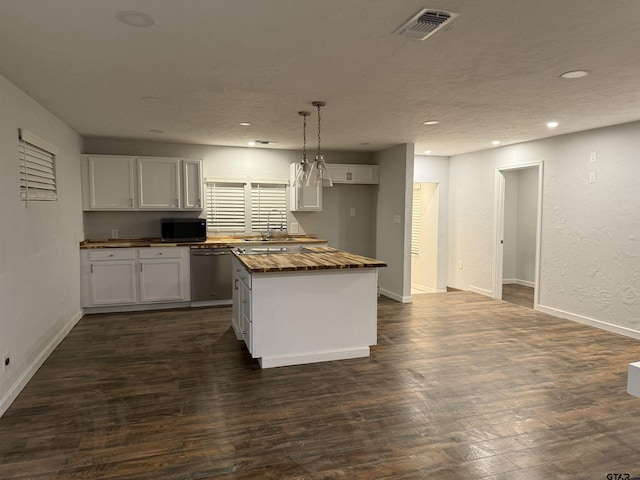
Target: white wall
<point>590,251</point>
<point>520,222</point>
<point>334,223</point>
<point>436,170</point>
<point>393,239</point>
<point>527,224</point>
<point>39,255</point>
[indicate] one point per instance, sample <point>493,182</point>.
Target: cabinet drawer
<point>112,254</point>
<point>160,252</point>
<point>245,277</point>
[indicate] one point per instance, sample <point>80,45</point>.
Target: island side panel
<point>308,316</point>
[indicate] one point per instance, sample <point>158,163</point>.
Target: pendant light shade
<point>303,170</point>
<point>319,175</point>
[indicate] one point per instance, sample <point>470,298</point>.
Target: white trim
<point>592,322</point>
<point>481,291</point>
<point>281,361</point>
<point>38,142</point>
<point>424,288</point>
<point>395,296</point>
<point>517,281</point>
<point>15,389</point>
<point>498,234</point>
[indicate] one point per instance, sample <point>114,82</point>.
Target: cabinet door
<point>338,173</point>
<point>113,282</point>
<point>246,316</point>
<point>192,185</point>
<point>305,199</point>
<point>159,183</point>
<point>363,174</point>
<point>161,280</point>
<point>111,183</point>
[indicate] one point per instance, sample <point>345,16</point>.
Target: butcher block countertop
<point>211,242</point>
<point>312,258</point>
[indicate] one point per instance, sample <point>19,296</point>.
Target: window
<point>225,206</point>
<point>37,162</point>
<point>266,197</point>
<point>243,208</point>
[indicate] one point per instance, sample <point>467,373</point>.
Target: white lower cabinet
<point>131,276</point>
<point>242,314</point>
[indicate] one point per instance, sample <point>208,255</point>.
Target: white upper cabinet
<point>113,182</point>
<point>364,174</point>
<point>192,185</point>
<point>159,183</point>
<point>303,199</point>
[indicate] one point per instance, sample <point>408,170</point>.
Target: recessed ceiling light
<point>552,124</point>
<point>575,74</point>
<point>431,122</point>
<point>150,99</point>
<point>245,124</point>
<point>364,143</point>
<point>156,131</point>
<point>496,142</point>
<point>427,152</point>
<point>135,19</point>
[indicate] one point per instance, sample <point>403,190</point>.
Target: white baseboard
<point>517,281</point>
<point>395,296</point>
<point>481,291</point>
<point>592,322</point>
<point>328,356</point>
<point>15,389</point>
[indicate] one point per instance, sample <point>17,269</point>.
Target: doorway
<point>424,238</point>
<point>517,233</point>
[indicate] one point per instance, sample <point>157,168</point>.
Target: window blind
<point>37,165</point>
<point>415,220</point>
<point>266,197</point>
<point>225,206</point>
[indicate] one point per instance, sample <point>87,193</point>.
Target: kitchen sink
<point>273,239</point>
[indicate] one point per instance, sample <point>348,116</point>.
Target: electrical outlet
<point>294,227</point>
<point>353,212</point>
<point>592,177</point>
<point>593,157</point>
<point>114,233</point>
<point>6,361</point>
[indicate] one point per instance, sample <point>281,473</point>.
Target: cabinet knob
<point>111,254</point>
<point>244,301</point>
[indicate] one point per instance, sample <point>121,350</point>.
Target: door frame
<point>498,234</point>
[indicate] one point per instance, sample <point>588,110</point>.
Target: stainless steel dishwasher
<point>211,279</point>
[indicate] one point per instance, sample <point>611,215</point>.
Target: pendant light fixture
<point>304,167</point>
<point>319,176</point>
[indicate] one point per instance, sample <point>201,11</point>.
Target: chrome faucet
<point>269,235</point>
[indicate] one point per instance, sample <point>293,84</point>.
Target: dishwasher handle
<point>209,254</point>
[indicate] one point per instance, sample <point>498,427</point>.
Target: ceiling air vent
<point>425,23</point>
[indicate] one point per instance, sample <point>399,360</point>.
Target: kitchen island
<point>315,305</point>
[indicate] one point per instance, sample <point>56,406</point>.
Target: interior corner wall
<point>39,254</point>
<point>393,220</point>
<point>590,245</point>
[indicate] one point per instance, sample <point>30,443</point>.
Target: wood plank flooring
<point>459,387</point>
<point>518,294</point>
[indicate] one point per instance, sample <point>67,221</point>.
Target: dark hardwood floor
<point>518,294</point>
<point>459,387</point>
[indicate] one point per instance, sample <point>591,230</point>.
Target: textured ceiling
<point>492,73</point>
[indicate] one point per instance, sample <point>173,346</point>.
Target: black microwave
<point>183,230</point>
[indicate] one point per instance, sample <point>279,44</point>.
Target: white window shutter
<point>37,165</point>
<point>225,206</point>
<point>265,198</point>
